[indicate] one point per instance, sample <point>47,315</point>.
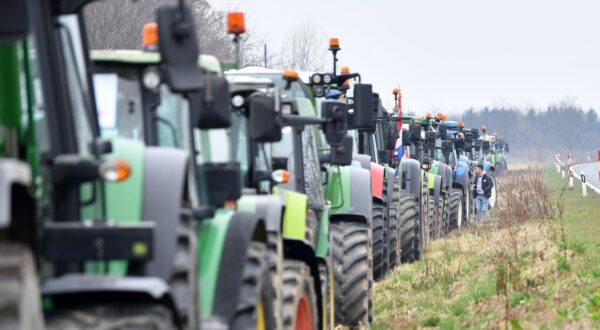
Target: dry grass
<point>520,271</point>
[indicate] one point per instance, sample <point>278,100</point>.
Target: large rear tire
<point>256,300</point>
<point>456,205</point>
<point>351,273</point>
<point>431,220</point>
<point>378,240</point>
<point>19,292</point>
<point>299,297</point>
<point>409,221</point>
<point>393,241</point>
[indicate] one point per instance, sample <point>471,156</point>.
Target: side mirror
<point>415,132</point>
<point>475,133</point>
<point>391,135</point>
<point>263,118</point>
<point>336,126</point>
<point>430,140</point>
<point>443,131</point>
<point>342,155</point>
<point>459,144</point>
<point>468,136</point>
<point>213,107</point>
<point>179,48</point>
<point>405,138</point>
<point>364,116</point>
<point>446,147</point>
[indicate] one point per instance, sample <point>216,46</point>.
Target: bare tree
<point>304,49</point>
<point>117,24</point>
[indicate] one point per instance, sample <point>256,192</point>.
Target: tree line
<point>535,134</point>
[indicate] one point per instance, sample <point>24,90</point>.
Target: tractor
<point>103,263</point>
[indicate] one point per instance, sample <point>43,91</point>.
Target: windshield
<point>119,107</point>
<point>241,150</point>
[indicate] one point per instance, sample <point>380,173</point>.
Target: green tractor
<point>348,252</point>
<point>395,224</point>
<point>102,265</point>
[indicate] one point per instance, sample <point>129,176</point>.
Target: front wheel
<point>256,300</point>
<point>299,297</point>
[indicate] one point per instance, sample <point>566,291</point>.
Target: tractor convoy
<point>154,189</point>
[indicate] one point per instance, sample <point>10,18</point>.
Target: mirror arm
<point>297,120</point>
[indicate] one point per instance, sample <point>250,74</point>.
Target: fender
<point>268,207</point>
<point>390,179</point>
<point>352,199</point>
<point>243,228</point>
<point>299,250</point>
<point>438,181</point>
<point>12,172</point>
<point>162,203</point>
<point>377,175</point>
<point>91,288</point>
<point>446,172</point>
<point>411,176</point>
<point>364,160</point>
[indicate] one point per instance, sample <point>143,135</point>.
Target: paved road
<point>591,174</point>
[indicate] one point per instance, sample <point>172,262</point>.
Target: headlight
<point>319,91</point>
<point>237,101</point>
<point>151,78</point>
<point>327,79</point>
<point>316,79</point>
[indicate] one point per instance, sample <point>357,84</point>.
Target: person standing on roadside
<point>482,192</point>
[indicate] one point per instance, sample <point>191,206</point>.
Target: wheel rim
<point>303,314</point>
<point>260,316</point>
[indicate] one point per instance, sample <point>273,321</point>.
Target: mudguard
<point>390,179</point>
<point>243,228</point>
<point>268,207</point>
<point>299,250</point>
<point>364,160</point>
<point>11,172</point>
<point>438,181</point>
<point>352,202</point>
<point>164,180</point>
<point>446,172</point>
<point>377,180</point>
<point>411,173</point>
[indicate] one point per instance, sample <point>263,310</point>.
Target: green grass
<point>477,279</point>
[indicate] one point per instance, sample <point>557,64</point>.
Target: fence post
<point>570,178</point>
<point>583,185</point>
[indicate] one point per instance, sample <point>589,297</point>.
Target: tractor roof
<point>256,70</point>
<point>207,62</point>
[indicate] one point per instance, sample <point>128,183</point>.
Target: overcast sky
<point>450,55</point>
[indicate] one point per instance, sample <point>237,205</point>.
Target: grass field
<point>517,273</point>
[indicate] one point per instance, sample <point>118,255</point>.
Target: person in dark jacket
<point>482,192</point>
